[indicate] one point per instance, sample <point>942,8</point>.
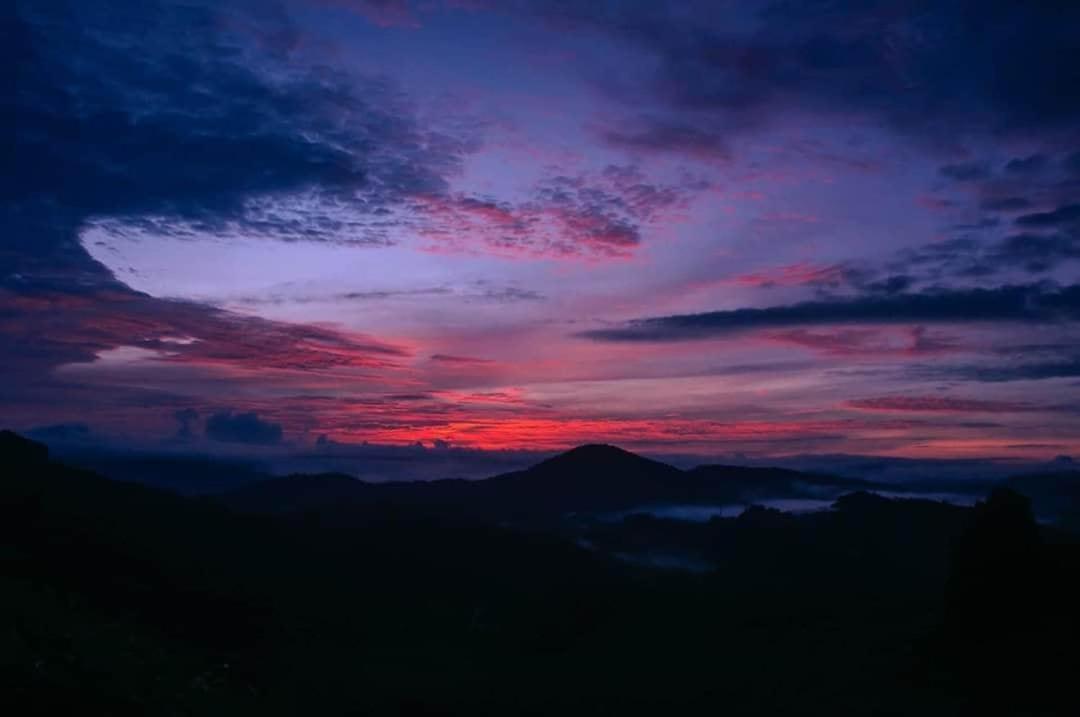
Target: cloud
<point>1030,303</point>
<point>966,172</point>
<point>926,70</point>
<point>1029,164</point>
<point>1035,253</point>
<point>913,341</point>
<point>593,215</point>
<point>187,118</point>
<point>799,274</point>
<point>936,404</point>
<point>156,112</point>
<point>486,291</point>
<point>1065,367</point>
<point>1068,214</point>
<point>229,427</point>
<point>460,360</point>
<point>895,284</point>
<point>650,135</point>
<point>480,290</point>
<point>83,325</point>
<point>1005,204</point>
<point>1040,242</point>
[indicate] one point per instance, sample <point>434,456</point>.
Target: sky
<point>696,228</point>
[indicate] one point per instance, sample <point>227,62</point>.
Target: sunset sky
<point>769,228</point>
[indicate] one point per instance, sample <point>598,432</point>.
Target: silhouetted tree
<point>996,568</point>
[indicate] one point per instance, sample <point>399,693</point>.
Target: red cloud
<point>74,328</point>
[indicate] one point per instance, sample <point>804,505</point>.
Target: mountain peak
<point>599,456</point>
<point>596,450</point>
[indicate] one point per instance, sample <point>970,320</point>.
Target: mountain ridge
<point>591,478</point>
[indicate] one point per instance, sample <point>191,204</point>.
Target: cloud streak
<point>1030,303</point>
<point>937,404</point>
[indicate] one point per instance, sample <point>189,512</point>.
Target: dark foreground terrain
<point>529,594</point>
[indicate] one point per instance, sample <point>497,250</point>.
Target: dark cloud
<point>894,284</point>
<point>380,295</point>
<point>935,404</point>
<point>976,226</point>
<point>1029,164</point>
<point>1031,303</point>
<point>229,427</point>
<point>652,135</point>
<point>159,111</point>
<point>1036,253</point>
<point>1005,204</point>
<point>1068,214</point>
<point>1045,241</point>
<point>1064,367</point>
<point>928,69</point>
<point>1026,219</point>
<point>966,172</point>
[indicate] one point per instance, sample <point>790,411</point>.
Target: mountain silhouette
<point>391,599</point>
<point>589,479</point>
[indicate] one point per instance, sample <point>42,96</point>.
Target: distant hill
<point>589,479</point>
<point>183,474</point>
<point>746,484</point>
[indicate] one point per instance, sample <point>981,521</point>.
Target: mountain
<point>589,479</point>
<point>175,472</point>
<point>122,599</point>
<point>746,484</point>
<point>586,479</point>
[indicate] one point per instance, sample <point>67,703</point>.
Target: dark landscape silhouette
<point>540,358</point>
<point>537,592</point>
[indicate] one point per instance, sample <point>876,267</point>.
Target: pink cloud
<point>911,341</point>
<point>798,274</point>
<point>600,215</point>
<point>460,360</point>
